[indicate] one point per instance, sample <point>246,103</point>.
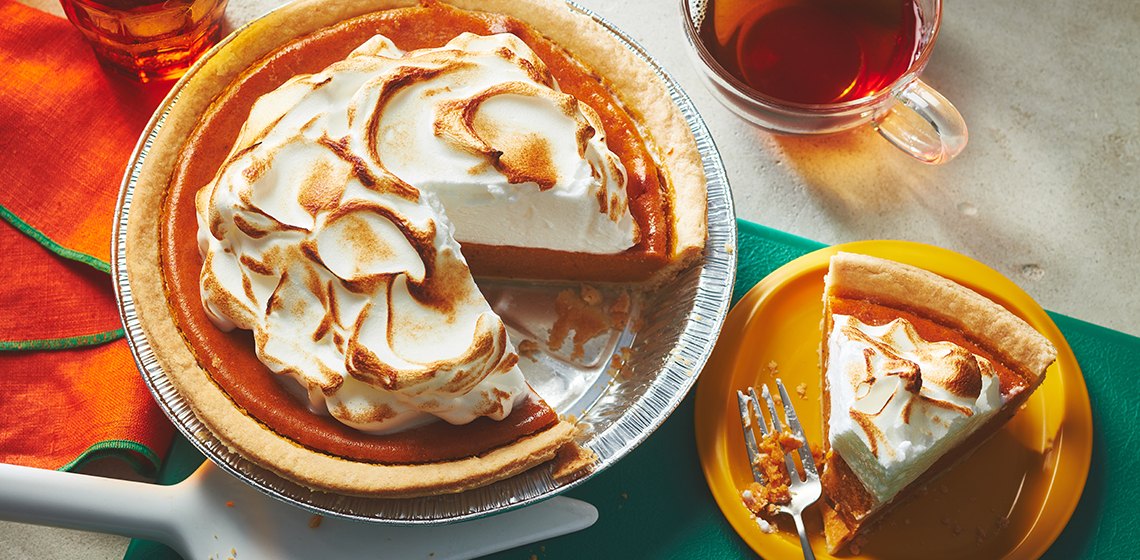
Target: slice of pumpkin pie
<point>917,372</point>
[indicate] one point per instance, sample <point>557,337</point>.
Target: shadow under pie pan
<point>620,388</point>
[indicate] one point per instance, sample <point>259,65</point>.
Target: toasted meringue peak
<point>482,124</point>
<point>325,231</point>
<point>898,401</point>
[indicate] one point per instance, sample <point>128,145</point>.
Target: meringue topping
<point>331,230</point>
<point>898,402</point>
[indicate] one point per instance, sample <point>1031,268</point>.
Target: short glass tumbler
<point>147,40</point>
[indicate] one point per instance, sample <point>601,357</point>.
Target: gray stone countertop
<point>1047,192</point>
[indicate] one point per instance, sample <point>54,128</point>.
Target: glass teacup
<point>907,112</point>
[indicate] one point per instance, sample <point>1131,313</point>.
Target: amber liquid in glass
<point>147,39</point>
<point>813,51</point>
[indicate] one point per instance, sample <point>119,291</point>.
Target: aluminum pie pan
<point>668,339</point>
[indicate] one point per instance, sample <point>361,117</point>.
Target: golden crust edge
<point>327,473</point>
<point>896,284</point>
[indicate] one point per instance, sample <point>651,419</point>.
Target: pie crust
<point>877,291</point>
<point>632,81</point>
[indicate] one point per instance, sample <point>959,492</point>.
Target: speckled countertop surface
<point>1047,191</point>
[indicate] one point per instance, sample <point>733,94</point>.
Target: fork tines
<point>746,406</point>
<point>805,490</point>
<point>751,402</point>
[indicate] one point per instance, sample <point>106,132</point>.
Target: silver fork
<point>804,491</point>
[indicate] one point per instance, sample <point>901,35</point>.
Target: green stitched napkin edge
<point>50,244</point>
<point>136,455</point>
<point>65,343</point>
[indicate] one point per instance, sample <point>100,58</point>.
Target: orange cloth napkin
<point>69,388</point>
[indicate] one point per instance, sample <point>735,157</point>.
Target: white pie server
<point>214,515</point>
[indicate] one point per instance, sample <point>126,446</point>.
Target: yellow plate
<point>1010,499</point>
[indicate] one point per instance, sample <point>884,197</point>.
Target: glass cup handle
<point>923,123</point>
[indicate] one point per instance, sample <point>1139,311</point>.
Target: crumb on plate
<point>801,390</point>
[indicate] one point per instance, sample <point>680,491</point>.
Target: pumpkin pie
<point>917,372</point>
<point>306,225</point>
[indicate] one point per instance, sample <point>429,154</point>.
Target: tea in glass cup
<point>148,39</point>
<point>822,66</point>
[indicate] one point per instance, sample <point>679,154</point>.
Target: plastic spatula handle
<point>89,503</point>
<point>213,514</point>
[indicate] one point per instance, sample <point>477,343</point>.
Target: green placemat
<point>655,503</point>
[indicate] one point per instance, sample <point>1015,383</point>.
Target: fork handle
<point>808,554</point>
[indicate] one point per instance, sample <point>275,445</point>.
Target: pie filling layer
<point>229,357</point>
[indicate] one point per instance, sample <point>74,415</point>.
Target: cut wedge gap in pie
<point>346,178</point>
<point>917,372</point>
